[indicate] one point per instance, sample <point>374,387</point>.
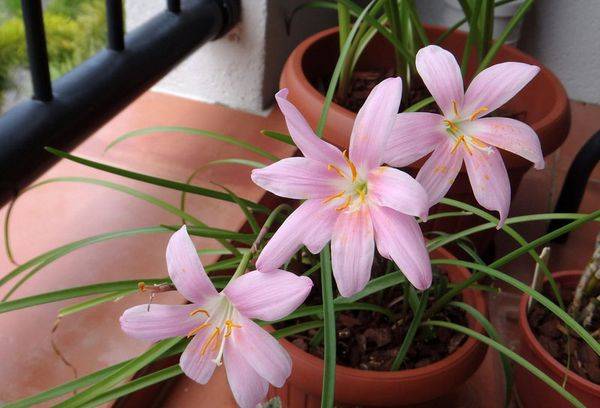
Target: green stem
<point>330,353</point>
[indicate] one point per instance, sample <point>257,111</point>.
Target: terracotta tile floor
<point>57,214</point>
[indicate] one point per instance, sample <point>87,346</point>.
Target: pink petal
<point>194,364</point>
<point>352,250</point>
<point>309,144</point>
<point>248,388</point>
<point>262,352</point>
<point>159,321</point>
<point>508,134</point>
<point>496,85</point>
<point>268,296</point>
<point>440,170</point>
<point>489,181</point>
<point>395,189</point>
<point>310,224</point>
<point>186,270</point>
<point>399,238</point>
<point>299,178</point>
<point>373,124</point>
<point>414,135</point>
<point>441,74</point>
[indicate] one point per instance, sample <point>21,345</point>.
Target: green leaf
<point>420,105</point>
<point>374,286</point>
<point>298,328</point>
<point>278,136</point>
<point>304,311</point>
<point>98,300</point>
<point>328,389</point>
<point>411,332</point>
<point>194,132</point>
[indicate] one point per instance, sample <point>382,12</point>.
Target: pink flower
<point>220,322</point>
<point>461,133</point>
<point>350,200</point>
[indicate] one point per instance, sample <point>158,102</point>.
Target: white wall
<point>242,69</point>
<point>563,34</point>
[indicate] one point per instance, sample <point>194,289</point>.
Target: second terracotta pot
<point>386,388</point>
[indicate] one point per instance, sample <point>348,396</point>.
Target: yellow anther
<point>213,337</point>
<point>455,107</point>
<point>451,125</point>
<point>199,310</point>
<point>478,143</point>
<point>477,112</point>
<point>345,205</point>
<point>197,329</point>
<point>333,197</point>
<point>337,170</point>
<point>230,326</point>
<point>141,286</point>
<point>351,165</point>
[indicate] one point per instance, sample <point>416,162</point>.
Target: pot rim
<point>475,298</point>
<point>561,102</point>
<point>557,368</point>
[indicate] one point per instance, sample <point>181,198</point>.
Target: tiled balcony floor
<point>61,213</point>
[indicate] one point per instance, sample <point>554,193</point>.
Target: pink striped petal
<point>399,238</point>
<point>395,189</point>
<point>496,85</point>
<point>299,178</point>
<point>489,181</point>
<point>268,296</point>
<point>186,270</point>
<point>440,170</point>
<point>159,321</point>
<point>197,366</point>
<point>309,144</point>
<point>373,124</point>
<point>352,251</point>
<point>261,351</point>
<point>248,388</point>
<point>441,74</point>
<point>414,135</point>
<point>508,134</point>
<point>310,224</point>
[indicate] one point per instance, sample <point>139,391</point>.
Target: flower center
<point>455,132</point>
<point>222,325</point>
<point>356,192</point>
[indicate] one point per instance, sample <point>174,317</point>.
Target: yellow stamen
<point>345,205</point>
<point>461,139</point>
<point>230,326</point>
<point>455,107</point>
<point>478,143</point>
<point>213,337</point>
<point>199,310</point>
<point>451,125</point>
<point>333,197</point>
<point>197,329</point>
<point>351,165</point>
<point>337,170</point>
<point>477,112</point>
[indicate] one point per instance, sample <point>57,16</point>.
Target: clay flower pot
<point>387,388</point>
<point>533,392</point>
<point>542,104</point>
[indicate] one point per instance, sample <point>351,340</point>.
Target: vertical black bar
<point>114,21</point>
<point>37,52</point>
<point>174,6</point>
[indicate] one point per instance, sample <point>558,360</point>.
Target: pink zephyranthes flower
<point>461,133</point>
<point>220,322</point>
<point>351,200</point>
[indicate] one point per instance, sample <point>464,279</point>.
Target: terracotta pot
<point>543,102</point>
<point>533,392</point>
<point>386,388</point>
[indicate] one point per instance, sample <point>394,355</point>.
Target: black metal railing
<point>62,113</point>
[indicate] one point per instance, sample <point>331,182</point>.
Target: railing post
<point>174,6</point>
<point>114,22</point>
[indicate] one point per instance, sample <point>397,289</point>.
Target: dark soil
<point>370,341</point>
<point>552,335</point>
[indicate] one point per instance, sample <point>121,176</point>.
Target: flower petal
<point>440,170</point>
<point>268,296</point>
<point>299,178</point>
<point>508,134</point>
<point>373,124</point>
<point>489,181</point>
<point>248,388</point>
<point>186,270</point>
<point>264,354</point>
<point>414,135</point>
<point>399,238</point>
<point>310,224</point>
<point>441,74</point>
<point>352,250</point>
<point>309,144</point>
<point>159,322</point>
<point>496,85</point>
<point>196,365</point>
<point>395,189</point>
